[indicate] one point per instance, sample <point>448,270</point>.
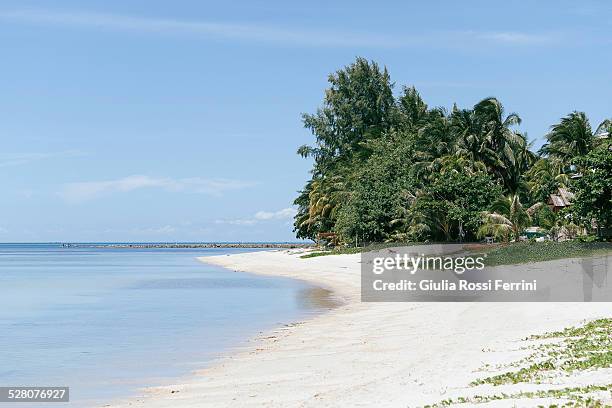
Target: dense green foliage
<point>501,254</point>
<point>524,252</point>
<point>594,188</point>
<point>390,168</point>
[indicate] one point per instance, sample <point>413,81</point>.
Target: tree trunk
<point>516,234</point>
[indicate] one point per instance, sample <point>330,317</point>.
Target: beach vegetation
<point>571,351</point>
<point>594,189</point>
<point>507,218</point>
<point>575,348</point>
<point>525,252</point>
<point>500,254</point>
<point>387,167</point>
<point>589,396</point>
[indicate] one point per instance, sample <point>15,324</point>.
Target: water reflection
<point>317,299</point>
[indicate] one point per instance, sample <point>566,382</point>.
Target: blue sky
<point>178,121</point>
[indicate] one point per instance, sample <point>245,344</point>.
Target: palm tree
<point>412,109</point>
<point>545,177</point>
<point>409,223</point>
<point>301,227</point>
<point>433,140</point>
<point>497,128</point>
<point>485,134</point>
<point>457,164</point>
<point>569,138</point>
<point>604,127</point>
<point>470,142</point>
<point>603,132</point>
<point>522,158</point>
<point>508,217</point>
<point>318,203</point>
<point>435,135</point>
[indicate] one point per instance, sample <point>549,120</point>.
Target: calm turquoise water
<point>108,321</point>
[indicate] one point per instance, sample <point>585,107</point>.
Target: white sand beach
<point>370,354</point>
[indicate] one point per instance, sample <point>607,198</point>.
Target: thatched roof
<point>566,195</point>
<point>556,201</point>
<point>563,198</point>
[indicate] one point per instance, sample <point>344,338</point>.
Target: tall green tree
<point>413,111</point>
<point>358,107</point>
<point>496,126</point>
<point>390,168</point>
<point>486,134</point>
<point>593,200</point>
<point>470,141</point>
<point>507,218</point>
<point>377,194</point>
<point>570,138</point>
<point>453,200</point>
<point>545,177</point>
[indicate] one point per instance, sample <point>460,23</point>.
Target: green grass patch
<point>505,254</point>
<point>335,251</point>
<point>525,252</point>
<point>358,250</point>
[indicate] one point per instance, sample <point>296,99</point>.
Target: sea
<point>107,322</point>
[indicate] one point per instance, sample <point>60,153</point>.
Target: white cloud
<point>241,222</point>
<point>285,213</point>
<point>87,190</point>
<point>237,221</point>
<point>166,229</point>
<point>517,38</point>
<point>25,158</point>
<point>143,231</point>
<point>313,37</point>
<point>249,32</point>
<point>261,216</point>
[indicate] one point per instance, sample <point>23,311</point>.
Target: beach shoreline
<point>359,354</point>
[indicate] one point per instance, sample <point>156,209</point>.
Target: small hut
<point>562,199</point>
<point>327,239</point>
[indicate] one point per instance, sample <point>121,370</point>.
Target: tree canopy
<point>389,167</point>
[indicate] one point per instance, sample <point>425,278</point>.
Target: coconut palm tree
<point>486,134</point>
<point>604,127</point>
<point>409,223</point>
<point>521,159</point>
<point>545,177</point>
<point>412,109</point>
<point>507,218</point>
<point>317,205</point>
<point>470,141</point>
<point>496,126</point>
<point>433,140</point>
<point>570,138</point>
